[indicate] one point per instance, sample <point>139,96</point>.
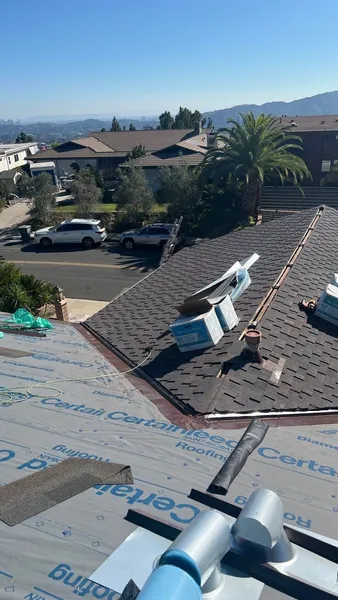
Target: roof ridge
<point>272,292</point>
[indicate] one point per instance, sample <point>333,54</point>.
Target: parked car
<point>87,232</point>
<point>151,235</point>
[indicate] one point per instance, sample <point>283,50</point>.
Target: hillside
<point>322,104</point>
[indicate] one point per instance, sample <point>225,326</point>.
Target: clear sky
<point>140,57</point>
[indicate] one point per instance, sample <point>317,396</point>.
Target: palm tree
<point>248,151</point>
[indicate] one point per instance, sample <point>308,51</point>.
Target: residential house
<point>298,257</point>
<point>319,136</point>
<point>106,151</point>
<point>320,142</point>
<point>14,156</point>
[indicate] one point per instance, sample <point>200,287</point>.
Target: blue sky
<point>140,57</point>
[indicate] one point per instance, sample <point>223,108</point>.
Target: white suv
<point>87,232</point>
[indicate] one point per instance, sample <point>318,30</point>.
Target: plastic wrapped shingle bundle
<point>327,305</point>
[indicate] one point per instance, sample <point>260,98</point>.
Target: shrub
<point>22,291</point>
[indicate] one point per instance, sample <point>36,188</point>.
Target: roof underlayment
<point>51,555</point>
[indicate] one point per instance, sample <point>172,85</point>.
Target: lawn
<point>102,208</point>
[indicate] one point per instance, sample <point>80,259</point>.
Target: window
<point>16,157</point>
<point>159,231</point>
<point>326,166</point>
<point>83,226</point>
<point>9,160</point>
<point>65,227</point>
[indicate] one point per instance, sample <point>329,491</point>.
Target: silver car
<point>151,235</point>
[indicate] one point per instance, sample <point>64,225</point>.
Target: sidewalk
<point>80,310</point>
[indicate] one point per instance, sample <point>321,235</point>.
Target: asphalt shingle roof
<point>306,348</point>
<point>155,161</point>
<point>312,123</point>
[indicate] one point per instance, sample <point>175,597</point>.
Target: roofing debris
<point>42,490</point>
<point>298,257</point>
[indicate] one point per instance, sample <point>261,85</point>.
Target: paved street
<point>98,274</point>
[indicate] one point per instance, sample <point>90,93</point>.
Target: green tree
<point>210,124</point>
<point>85,191</point>
<point>137,152</point>
<point>24,138</point>
<point>115,125</point>
<point>179,189</point>
<point>249,151</point>
<point>43,207</point>
<point>3,193</point>
<point>75,167</point>
<point>98,176</point>
<point>103,129</point>
<point>166,120</point>
<point>132,127</point>
<point>25,186</point>
<point>186,119</point>
<point>134,193</point>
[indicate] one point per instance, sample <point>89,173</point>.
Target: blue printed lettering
<point>162,503</point>
<point>288,460</point>
<point>262,452</point>
<point>113,416</point>
<point>8,455</point>
<point>35,464</point>
<point>148,500</point>
<point>121,490</point>
<point>187,518</point>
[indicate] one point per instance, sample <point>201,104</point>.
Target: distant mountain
<point>322,104</point>
<point>87,117</point>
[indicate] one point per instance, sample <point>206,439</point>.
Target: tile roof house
<point>105,151</point>
<point>298,256</point>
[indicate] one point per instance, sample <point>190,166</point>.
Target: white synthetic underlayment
<point>51,556</point>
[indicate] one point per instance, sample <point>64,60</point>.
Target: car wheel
<point>45,242</point>
<point>87,242</point>
<point>129,244</point>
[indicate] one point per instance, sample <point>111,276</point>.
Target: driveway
<point>14,215</point>
<point>97,274</point>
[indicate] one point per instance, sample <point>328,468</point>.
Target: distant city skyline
<point>141,58</point>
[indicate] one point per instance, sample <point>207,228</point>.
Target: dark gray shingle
<point>140,318</point>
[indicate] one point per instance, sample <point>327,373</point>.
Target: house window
<point>16,157</point>
<point>326,166</point>
<point>9,160</point>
